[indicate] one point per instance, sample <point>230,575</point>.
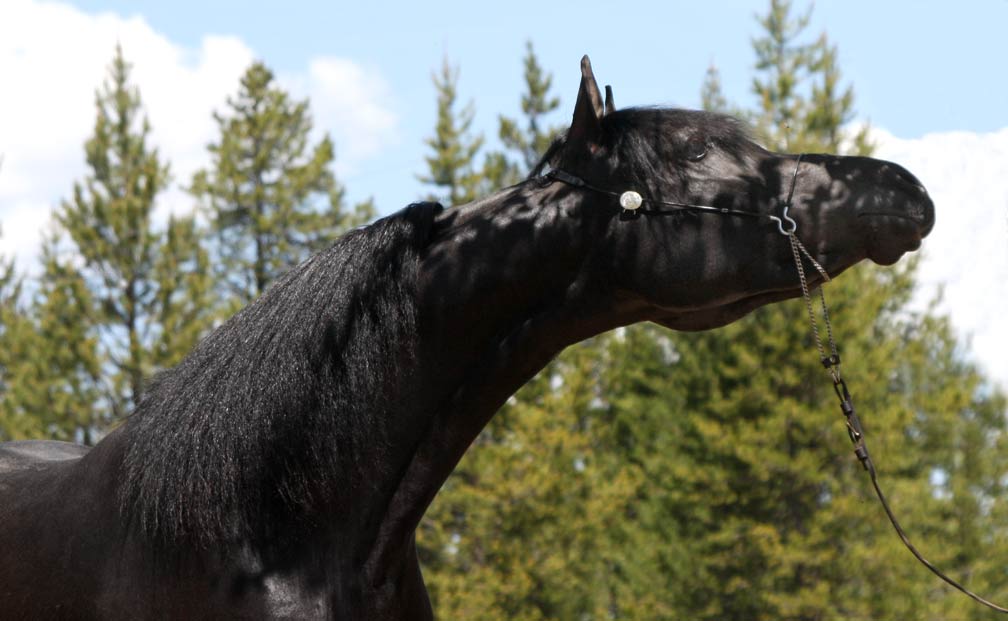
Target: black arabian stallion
<point>281,469</point>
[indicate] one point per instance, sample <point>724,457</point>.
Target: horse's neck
<point>504,287</point>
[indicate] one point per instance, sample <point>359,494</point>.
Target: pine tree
<point>523,146</point>
<point>830,108</point>
<point>271,196</point>
<point>13,327</point>
<point>62,384</point>
<point>185,297</point>
<point>777,509</point>
<point>10,283</point>
<point>48,359</point>
<point>638,428</point>
<point>13,324</point>
<point>782,63</point>
<point>712,97</point>
<point>118,252</point>
<point>536,102</point>
<point>451,164</point>
<point>801,106</point>
<point>524,529</point>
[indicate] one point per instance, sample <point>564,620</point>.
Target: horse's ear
<point>588,111</point>
<point>610,106</point>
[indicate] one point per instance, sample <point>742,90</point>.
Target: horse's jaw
<point>716,317</point>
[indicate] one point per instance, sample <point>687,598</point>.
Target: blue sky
<point>929,76</point>
<point>917,67</point>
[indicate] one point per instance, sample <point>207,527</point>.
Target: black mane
<point>645,144</point>
<point>274,412</point>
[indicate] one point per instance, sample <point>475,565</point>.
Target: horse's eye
<point>696,149</point>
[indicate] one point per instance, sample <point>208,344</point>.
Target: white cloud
<point>53,57</point>
<point>967,253</point>
<point>343,96</point>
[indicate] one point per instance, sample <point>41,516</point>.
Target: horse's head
<point>693,267</point>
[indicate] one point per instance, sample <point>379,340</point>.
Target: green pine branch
<point>270,193</point>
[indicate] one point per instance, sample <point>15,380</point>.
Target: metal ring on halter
<point>785,218</point>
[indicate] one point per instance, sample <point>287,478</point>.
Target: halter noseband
<point>633,203</point>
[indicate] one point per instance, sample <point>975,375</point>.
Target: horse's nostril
<point>921,207</point>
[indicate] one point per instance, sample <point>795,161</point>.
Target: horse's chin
<point>894,247</point>
<point>890,256</point>
<point>892,235</point>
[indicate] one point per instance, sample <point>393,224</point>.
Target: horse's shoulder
<point>23,454</point>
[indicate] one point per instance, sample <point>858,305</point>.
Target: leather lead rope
<point>832,364</point>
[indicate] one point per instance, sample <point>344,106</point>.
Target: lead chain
<point>831,362</point>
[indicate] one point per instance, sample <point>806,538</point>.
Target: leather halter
<point>785,224</point>
<point>830,361</point>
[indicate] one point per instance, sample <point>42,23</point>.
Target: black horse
<point>281,469</point>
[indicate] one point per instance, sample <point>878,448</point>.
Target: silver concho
<point>630,200</point>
